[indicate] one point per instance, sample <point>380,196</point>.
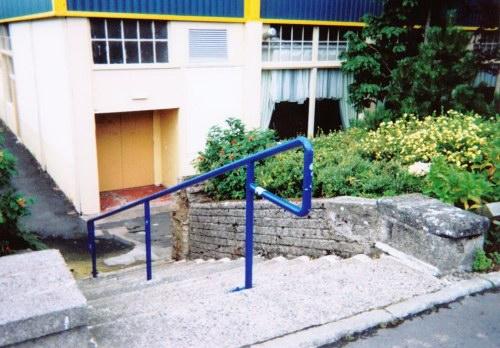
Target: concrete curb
<point>332,332</point>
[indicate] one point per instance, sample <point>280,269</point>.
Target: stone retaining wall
<point>344,226</point>
<point>425,228</point>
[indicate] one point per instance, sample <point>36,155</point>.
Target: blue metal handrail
<point>250,187</point>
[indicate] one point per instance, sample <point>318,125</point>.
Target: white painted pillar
<point>85,150</point>
<point>312,85</point>
<point>252,74</point>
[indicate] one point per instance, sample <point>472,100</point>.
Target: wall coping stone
<point>39,297</point>
<point>264,204</point>
<point>433,216</point>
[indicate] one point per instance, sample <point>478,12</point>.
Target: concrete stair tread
<point>340,281</point>
<point>188,273</point>
<point>123,282</point>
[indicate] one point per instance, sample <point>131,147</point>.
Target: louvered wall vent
<point>207,45</point>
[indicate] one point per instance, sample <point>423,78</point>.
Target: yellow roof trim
<point>312,22</point>
<point>92,14</point>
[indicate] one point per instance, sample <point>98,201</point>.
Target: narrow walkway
<point>52,214</point>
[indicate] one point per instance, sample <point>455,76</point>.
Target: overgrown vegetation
<point>481,263</point>
<point>464,151</point>
<point>13,206</point>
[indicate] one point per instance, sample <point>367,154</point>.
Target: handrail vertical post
<point>91,246</point>
<point>249,217</point>
<point>147,229</point>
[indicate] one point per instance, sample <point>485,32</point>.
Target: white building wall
<point>205,93</point>
<point>26,88</point>
<point>52,60</point>
<point>60,90</point>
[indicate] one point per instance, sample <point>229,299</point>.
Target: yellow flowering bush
<point>459,138</point>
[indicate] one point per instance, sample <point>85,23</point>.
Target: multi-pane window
<point>331,43</point>
<point>291,43</point>
<point>7,63</point>
<point>4,38</point>
<point>489,42</point>
<point>116,41</point>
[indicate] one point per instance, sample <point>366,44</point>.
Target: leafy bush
<point>358,162</point>
<point>495,256</point>
<point>12,207</point>
<point>457,186</point>
<point>340,168</point>
<point>7,166</point>
<point>373,119</point>
<point>481,262</point>
<point>225,145</point>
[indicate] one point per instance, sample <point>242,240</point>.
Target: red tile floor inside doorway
<point>116,198</point>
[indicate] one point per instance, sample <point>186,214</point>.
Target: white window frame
<point>7,60</point>
<point>296,31</point>
<point>137,40</point>
<point>313,65</point>
<point>334,41</point>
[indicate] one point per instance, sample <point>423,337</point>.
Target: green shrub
<point>457,186</point>
<point>7,166</point>
<point>340,168</point>
<point>12,207</point>
<point>372,119</point>
<point>225,145</point>
<point>481,262</point>
<point>495,256</point>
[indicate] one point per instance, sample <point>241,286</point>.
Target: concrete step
<point>135,279</point>
<point>279,271</point>
<point>113,302</point>
<point>288,295</point>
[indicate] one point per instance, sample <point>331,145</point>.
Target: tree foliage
<point>411,59</point>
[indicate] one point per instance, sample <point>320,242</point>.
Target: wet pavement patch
<point>77,257</point>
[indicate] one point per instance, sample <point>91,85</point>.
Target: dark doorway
<point>290,119</point>
<point>327,118</point>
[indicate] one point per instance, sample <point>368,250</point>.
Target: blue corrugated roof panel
<point>320,10</point>
<point>210,8</point>
<point>18,8</point>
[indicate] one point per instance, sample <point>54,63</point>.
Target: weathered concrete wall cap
<point>433,216</point>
